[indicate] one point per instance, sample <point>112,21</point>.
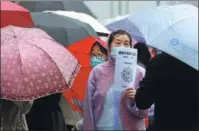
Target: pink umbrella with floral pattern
<point>34,65</point>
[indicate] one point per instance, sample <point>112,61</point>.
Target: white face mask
<point>114,51</point>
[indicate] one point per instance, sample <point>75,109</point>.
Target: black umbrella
<point>63,29</point>
<point>39,6</point>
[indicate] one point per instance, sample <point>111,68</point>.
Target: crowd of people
<point>163,96</point>
<point>162,82</point>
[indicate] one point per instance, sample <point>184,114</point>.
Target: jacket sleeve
<point>137,112</point>
<point>88,121</point>
<point>24,106</point>
<point>145,95</point>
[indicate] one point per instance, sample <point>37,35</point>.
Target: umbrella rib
<point>171,26</point>
<point>19,53</point>
<point>62,4</point>
<point>66,34</point>
<point>26,18</point>
<point>23,15</point>
<point>20,59</point>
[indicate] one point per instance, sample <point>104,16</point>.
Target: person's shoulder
<point>97,69</point>
<point>166,61</point>
<point>102,66</point>
<point>167,65</point>
<point>159,60</point>
<point>157,64</point>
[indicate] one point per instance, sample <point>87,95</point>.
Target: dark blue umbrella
<point>69,5</point>
<point>63,29</point>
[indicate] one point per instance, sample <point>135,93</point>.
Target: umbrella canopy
<point>117,18</point>
<point>69,5</point>
<point>81,52</point>
<point>124,23</point>
<point>13,14</point>
<point>63,29</point>
<point>96,25</point>
<point>172,29</point>
<point>33,65</point>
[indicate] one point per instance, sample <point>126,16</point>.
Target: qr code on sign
<point>127,74</point>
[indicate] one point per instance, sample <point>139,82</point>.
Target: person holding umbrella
<point>171,80</point>
<point>32,66</point>
<point>170,84</point>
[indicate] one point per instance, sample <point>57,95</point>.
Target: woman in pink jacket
<point>109,108</point>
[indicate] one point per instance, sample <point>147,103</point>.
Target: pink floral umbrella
<point>34,65</point>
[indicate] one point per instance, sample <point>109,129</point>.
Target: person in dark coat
<point>46,114</point>
<point>173,87</point>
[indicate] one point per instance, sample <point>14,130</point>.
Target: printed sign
<point>125,67</point>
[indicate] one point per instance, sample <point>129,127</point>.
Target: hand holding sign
<point>130,93</point>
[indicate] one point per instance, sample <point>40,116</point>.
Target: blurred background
<point>103,10</point>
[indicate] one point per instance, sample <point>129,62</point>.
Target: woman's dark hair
<point>118,32</point>
<point>102,49</point>
<point>143,53</point>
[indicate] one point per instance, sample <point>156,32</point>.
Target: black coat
<point>173,87</point>
<point>46,114</point>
